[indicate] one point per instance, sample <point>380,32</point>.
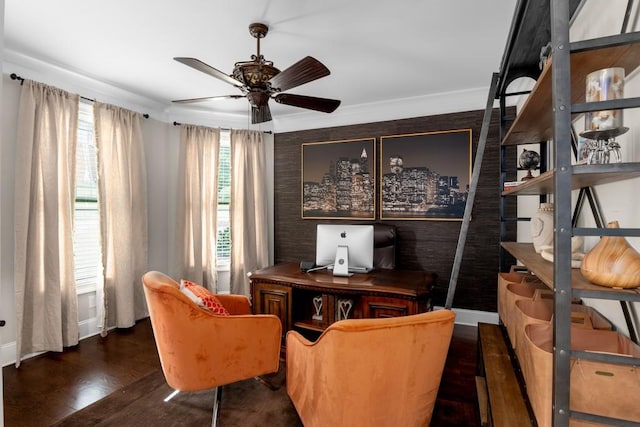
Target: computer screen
<point>358,239</point>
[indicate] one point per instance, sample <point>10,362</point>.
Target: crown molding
<point>94,88</point>
<point>76,82</point>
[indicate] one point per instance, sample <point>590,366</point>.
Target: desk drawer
<point>376,307</point>
<point>273,299</point>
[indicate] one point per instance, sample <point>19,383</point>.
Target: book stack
<point>512,184</point>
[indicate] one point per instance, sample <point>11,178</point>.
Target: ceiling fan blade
<point>312,103</point>
<point>304,71</point>
<point>207,98</point>
<point>208,69</point>
<point>260,114</point>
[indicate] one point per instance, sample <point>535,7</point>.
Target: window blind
<point>86,234</point>
<point>223,241</point>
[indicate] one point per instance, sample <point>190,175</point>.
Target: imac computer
<point>346,249</point>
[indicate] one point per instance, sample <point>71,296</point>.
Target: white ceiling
<point>380,52</point>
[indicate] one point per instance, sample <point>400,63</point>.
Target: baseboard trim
<point>87,328</point>
<point>473,317</point>
<point>8,353</point>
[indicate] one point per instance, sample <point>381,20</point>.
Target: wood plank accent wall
<point>421,245</point>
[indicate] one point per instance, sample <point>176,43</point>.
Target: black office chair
<point>384,244</point>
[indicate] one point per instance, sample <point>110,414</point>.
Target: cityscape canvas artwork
<point>426,175</point>
<point>339,180</point>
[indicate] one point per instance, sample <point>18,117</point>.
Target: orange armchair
<point>199,350</point>
<point>370,372</point>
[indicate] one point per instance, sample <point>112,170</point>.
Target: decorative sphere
<point>529,159</point>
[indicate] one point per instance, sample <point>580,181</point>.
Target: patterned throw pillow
<point>203,297</point>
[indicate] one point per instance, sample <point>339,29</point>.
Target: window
<point>86,235</point>
<point>224,199</point>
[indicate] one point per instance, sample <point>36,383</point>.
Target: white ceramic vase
<point>542,227</point>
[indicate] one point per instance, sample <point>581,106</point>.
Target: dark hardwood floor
<point>47,388</point>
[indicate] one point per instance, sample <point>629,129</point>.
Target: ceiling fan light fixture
<point>254,74</point>
<point>259,80</point>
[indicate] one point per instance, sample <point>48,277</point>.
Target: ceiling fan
<point>259,80</point>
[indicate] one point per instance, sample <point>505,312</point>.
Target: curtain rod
<point>264,131</point>
<point>14,76</point>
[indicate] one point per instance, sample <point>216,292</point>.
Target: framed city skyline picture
<point>339,179</point>
<point>425,176</point>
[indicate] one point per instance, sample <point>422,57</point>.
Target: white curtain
<point>249,221</point>
<point>197,204</point>
<point>46,301</point>
<point>122,200</point>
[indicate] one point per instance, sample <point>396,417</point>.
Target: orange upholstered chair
<point>200,350</point>
<point>370,372</point>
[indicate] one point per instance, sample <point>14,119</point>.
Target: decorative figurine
<point>317,304</point>
<point>529,160</point>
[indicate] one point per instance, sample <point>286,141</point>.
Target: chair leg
<point>171,396</point>
<point>265,382</point>
<point>216,404</point>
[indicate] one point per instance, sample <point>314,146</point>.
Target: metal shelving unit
<point>546,116</point>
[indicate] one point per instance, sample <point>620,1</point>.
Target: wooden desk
<point>289,293</point>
